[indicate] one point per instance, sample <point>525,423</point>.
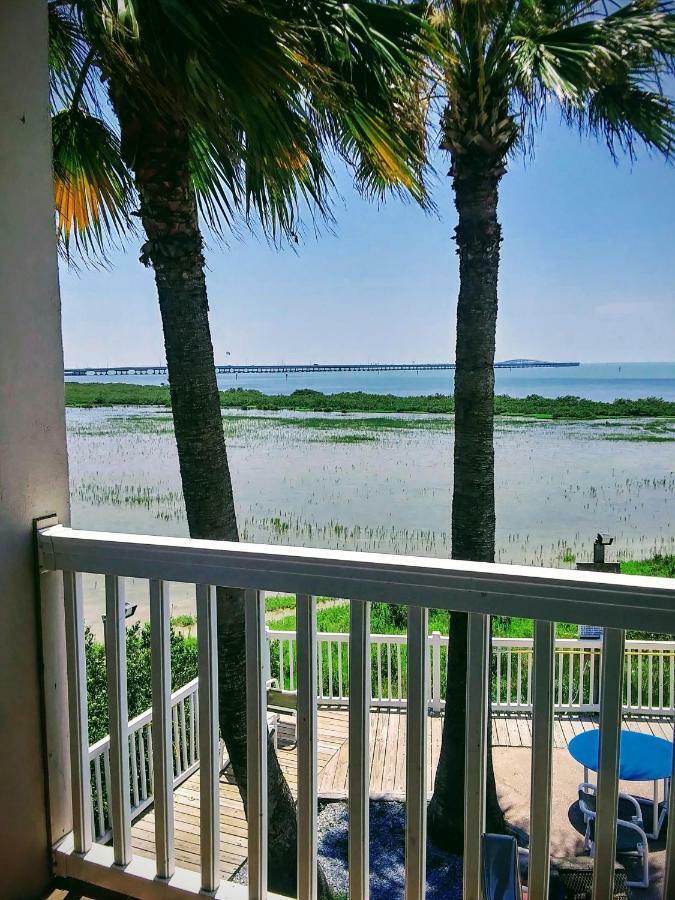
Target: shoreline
<point>105,394</point>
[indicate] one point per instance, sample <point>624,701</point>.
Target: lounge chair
<point>282,703</point>
<point>631,839</point>
<point>500,875</point>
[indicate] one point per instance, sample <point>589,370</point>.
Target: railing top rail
<point>622,601</point>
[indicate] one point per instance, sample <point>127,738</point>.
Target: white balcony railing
<point>481,590</point>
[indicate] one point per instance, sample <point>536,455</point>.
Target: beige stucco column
<point>33,468</point>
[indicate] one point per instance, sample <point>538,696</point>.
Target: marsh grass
<point>94,394</point>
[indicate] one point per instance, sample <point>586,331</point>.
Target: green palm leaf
<point>92,186</point>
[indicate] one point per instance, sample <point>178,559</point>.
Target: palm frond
<point>71,74</point>
<point>604,70</point>
<point>93,189</point>
<point>271,87</point>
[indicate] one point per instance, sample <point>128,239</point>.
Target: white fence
<point>649,672</point>
<point>481,590</point>
<point>185,749</point>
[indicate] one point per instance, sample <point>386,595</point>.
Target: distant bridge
<point>283,369</point>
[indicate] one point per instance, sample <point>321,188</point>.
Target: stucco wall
<point>33,470</point>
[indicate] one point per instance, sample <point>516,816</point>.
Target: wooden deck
<point>387,774</point>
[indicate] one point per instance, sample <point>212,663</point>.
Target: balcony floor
<point>512,741</point>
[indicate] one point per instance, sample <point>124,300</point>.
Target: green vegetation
<point>139,689</point>
<point>534,406</point>
<point>390,619</point>
<point>658,566</point>
<point>273,603</point>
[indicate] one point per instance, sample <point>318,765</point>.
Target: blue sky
<point>588,273</point>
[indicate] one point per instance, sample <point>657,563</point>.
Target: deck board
<point>387,775</point>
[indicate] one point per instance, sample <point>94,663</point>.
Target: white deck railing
<point>481,590</point>
<point>649,690</point>
<point>185,747</point>
<point>649,668</point>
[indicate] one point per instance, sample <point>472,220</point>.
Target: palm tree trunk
<point>159,154</point>
<point>478,236</point>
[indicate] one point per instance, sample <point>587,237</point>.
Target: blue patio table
<point>642,757</point>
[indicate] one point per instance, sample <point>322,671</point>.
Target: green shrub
<point>139,688</point>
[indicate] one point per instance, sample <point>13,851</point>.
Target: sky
<point>587,274</point>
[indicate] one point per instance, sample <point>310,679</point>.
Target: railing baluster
<point>591,680</point>
<point>320,660</point>
<point>307,738</point>
<point>570,677</point>
<point>529,678</point>
<point>176,740</point>
<point>118,713</point>
<point>389,694</point>
<point>100,811</point>
<point>183,735</point>
<point>108,783</point>
<point>661,679</point>
<point>508,676</point>
<point>209,799</point>
<point>519,679</point>
<point>162,761</point>
<point>378,655</point>
<point>629,679</point>
<point>400,671</point>
<point>360,675</point>
<point>416,756</point>
<point>151,765</point>
<point>650,680</point>
<point>329,648</point>
<point>639,688</point>
<point>256,761</point>
<point>542,754</point>
<point>80,771</point>
<point>339,651</point>
<point>142,757</point>
<point>477,686</point>
<point>436,677</point>
<point>498,700</point>
<point>291,677</point>
<point>582,658</point>
<point>134,767</point>
<point>608,763</point>
<point>561,660</point>
<point>193,743</point>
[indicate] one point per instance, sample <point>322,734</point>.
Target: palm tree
<point>224,107</point>
<point>507,63</point>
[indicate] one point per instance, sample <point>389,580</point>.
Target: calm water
<point>596,381</point>
<point>339,481</point>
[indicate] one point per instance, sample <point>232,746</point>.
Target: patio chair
<point>631,839</point>
<point>500,875</point>
<point>628,808</point>
<point>284,703</point>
